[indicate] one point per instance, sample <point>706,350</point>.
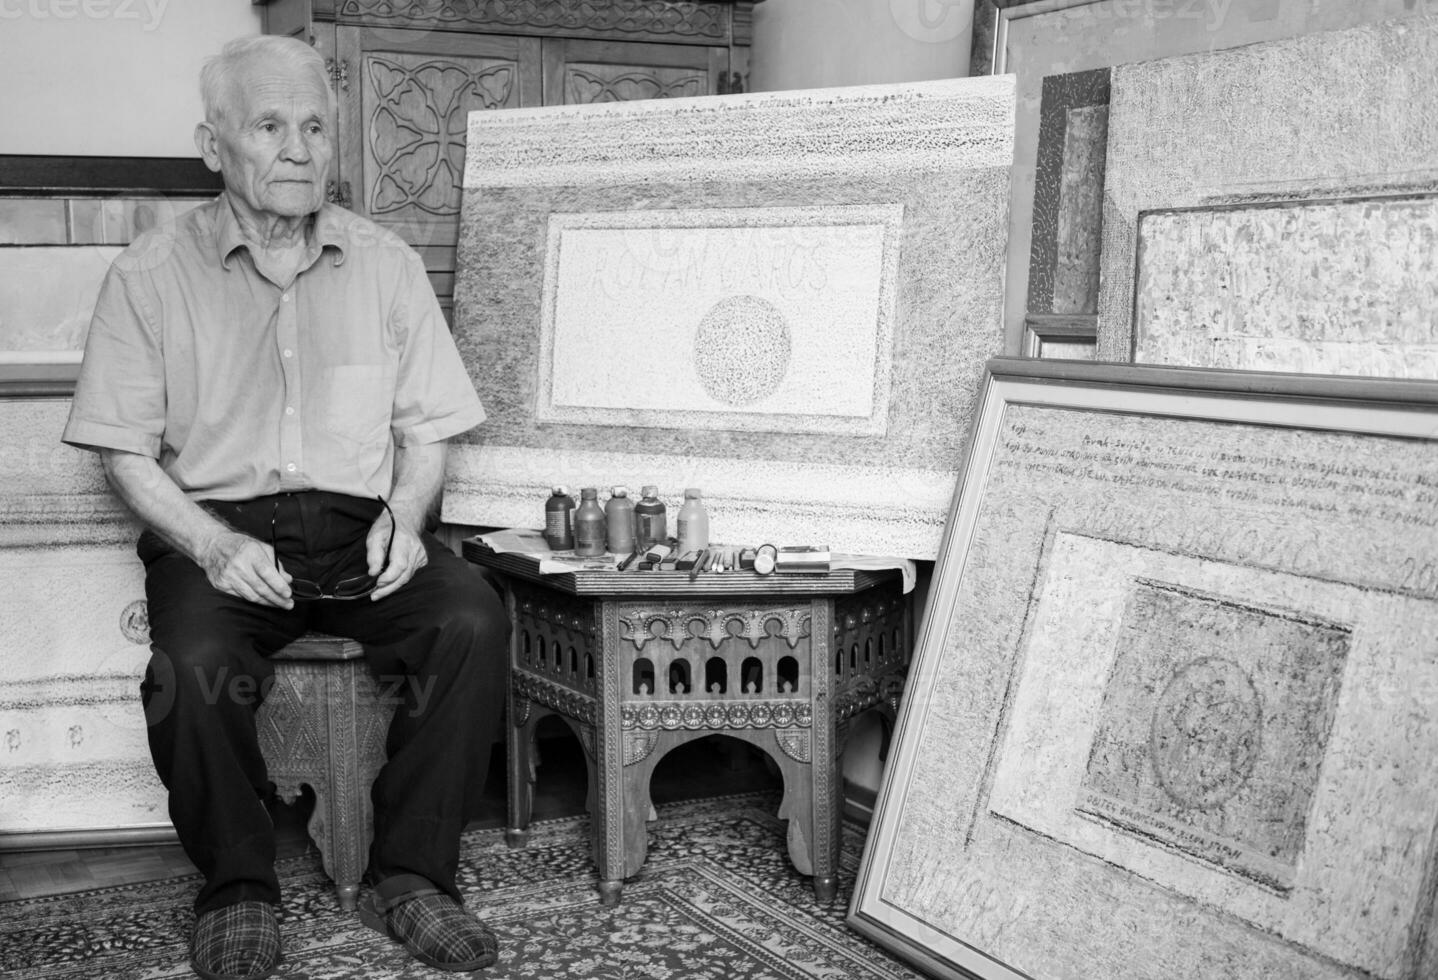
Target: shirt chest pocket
<point>358,400</point>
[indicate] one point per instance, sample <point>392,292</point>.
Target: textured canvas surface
<point>73,639</point>
<point>785,299</point>
<point>689,288</point>
<point>74,750</point>
<point>1342,114</point>
<point>1055,38</point>
<point>1186,675</point>
<point>1337,287</point>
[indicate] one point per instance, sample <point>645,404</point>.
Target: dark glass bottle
<point>651,524</point>
<point>559,520</point>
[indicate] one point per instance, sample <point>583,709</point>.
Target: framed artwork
<point>62,222</point>
<point>1062,312</point>
<point>47,295</point>
<point>1228,147</point>
<point>786,299</point>
<point>1192,152</point>
<point>1173,709</point>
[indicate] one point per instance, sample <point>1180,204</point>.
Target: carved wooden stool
<point>638,664</point>
<point>324,724</point>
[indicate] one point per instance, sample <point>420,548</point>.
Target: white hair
<point>218,73</point>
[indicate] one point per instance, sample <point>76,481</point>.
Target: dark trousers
<point>444,632</point>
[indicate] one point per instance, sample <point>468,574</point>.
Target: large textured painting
<point>785,299</point>
<point>1359,120</point>
<point>1051,44</point>
<point>1330,287</point>
<point>1179,664</point>
<point>74,756</point>
<point>74,762</point>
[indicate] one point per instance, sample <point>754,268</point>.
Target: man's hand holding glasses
<point>393,553</point>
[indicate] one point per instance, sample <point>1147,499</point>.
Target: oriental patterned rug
<point>716,900</point>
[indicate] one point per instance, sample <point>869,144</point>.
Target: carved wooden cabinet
<point>407,73</point>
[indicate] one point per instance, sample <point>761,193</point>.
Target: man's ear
<point>207,141</point>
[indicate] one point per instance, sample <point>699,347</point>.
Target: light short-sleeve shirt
<point>240,388</point>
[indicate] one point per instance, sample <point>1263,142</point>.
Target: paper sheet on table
<point>875,563</point>
<point>528,541</point>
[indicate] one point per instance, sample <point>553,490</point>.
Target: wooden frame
<point>1043,331</point>
<point>1039,814</point>
<point>1067,226</point>
<point>72,178</point>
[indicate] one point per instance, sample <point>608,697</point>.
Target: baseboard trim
<point>68,840</point>
<point>859,803</point>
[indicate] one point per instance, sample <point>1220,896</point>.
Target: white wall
<point>823,43</point>
<point>109,77</point>
<point>118,77</point>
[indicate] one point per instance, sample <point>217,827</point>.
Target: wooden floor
<point>708,767</point>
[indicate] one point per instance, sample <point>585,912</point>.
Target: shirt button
<point>289,353</point>
<point>286,297</point>
<point>289,410</point>
<point>290,467</point>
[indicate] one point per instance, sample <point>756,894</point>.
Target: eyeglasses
<point>354,587</point>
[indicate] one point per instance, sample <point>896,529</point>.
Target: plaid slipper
<point>431,924</point>
<point>237,942</point>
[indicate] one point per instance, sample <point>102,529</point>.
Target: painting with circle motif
<point>1173,708</point>
<point>783,298</point>
<point>772,319</point>
<point>1213,727</point>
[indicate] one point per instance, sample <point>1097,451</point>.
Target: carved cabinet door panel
<point>580,72</point>
<point>404,107</point>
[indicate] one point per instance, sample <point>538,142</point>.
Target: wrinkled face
<point>273,142</point>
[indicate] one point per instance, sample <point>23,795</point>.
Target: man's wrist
<point>409,515</point>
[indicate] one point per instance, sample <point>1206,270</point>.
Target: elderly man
<point>270,385</point>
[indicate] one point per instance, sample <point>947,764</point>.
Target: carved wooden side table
<point>640,662</point>
<point>324,724</point>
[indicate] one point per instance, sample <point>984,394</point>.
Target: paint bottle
<point>693,523</point>
<point>651,524</point>
<point>589,524</point>
<point>559,520</point>
<point>619,521</point>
